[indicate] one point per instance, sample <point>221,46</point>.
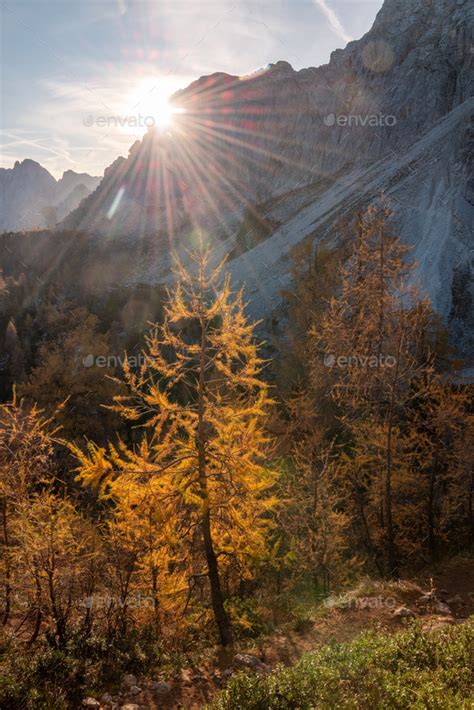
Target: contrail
<point>333,20</point>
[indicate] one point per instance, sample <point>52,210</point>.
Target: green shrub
<point>412,669</point>
<point>45,680</point>
<point>47,677</point>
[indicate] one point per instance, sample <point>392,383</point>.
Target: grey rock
<point>135,690</point>
<point>129,680</point>
<point>161,688</point>
<point>90,703</point>
<point>403,612</point>
<point>245,660</point>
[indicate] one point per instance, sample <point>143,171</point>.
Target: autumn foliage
<point>220,481</point>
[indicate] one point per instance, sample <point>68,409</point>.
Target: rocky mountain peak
<point>303,148</point>
<point>30,195</point>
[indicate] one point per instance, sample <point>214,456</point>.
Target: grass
<point>413,669</point>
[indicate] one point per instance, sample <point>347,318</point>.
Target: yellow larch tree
<point>367,341</point>
<point>202,404</point>
<point>26,452</point>
<point>443,457</point>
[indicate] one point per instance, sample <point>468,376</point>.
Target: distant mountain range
<point>297,152</point>
<point>31,198</point>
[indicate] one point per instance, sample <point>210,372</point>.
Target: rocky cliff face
<point>250,138</point>
<point>31,198</point>
<point>391,112</point>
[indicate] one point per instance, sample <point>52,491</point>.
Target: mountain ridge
<point>30,197</point>
<point>319,134</point>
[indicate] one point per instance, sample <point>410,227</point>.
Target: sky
<point>82,79</point>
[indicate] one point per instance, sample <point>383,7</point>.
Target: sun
<point>150,102</point>
<point>159,111</point>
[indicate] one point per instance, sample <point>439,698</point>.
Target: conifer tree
<point>314,275</point>
<point>202,402</point>
<point>51,558</point>
<point>69,378</point>
<point>26,453</point>
<point>443,432</point>
<point>315,521</point>
<point>367,343</point>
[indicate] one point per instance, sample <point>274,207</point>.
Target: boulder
<point>161,687</point>
<point>246,660</point>
<point>90,703</point>
<point>403,612</point>
<point>442,608</point>
<point>129,680</point>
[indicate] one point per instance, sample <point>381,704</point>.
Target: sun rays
<point>151,105</point>
<point>209,152</point>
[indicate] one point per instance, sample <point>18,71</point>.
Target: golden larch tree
<point>202,403</point>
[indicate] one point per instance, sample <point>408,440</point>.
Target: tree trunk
<point>471,512</point>
<point>393,569</point>
<point>38,615</point>
<point>217,597</point>
<point>368,537</point>
<point>391,552</point>
<point>431,513</point>
<point>6,548</point>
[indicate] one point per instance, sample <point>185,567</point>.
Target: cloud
<point>333,20</point>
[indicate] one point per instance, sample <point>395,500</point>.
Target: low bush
<point>412,669</point>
